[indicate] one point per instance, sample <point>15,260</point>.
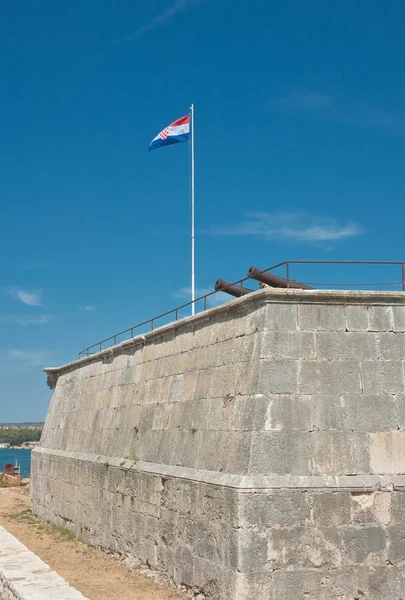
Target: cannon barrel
<point>231,288</point>
<point>275,281</point>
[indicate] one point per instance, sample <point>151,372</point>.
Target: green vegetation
<point>26,516</point>
<point>16,437</point>
<point>66,533</point>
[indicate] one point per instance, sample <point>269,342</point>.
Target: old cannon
<point>233,289</point>
<point>275,280</point>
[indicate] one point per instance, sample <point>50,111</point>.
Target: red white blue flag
<point>179,131</point>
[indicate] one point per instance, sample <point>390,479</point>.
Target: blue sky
<point>300,130</point>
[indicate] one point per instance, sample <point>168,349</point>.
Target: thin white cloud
<point>185,292</point>
<point>339,110</point>
<point>164,17</point>
<point>215,300</point>
<point>25,320</point>
<point>30,297</point>
<point>23,358</point>
<point>290,227</point>
<point>89,307</point>
<point>29,266</point>
<point>39,265</point>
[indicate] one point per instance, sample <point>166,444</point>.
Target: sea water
<point>8,456</point>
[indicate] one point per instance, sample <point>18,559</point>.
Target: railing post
<point>114,338</point>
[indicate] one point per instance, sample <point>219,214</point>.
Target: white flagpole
<point>192,210</point>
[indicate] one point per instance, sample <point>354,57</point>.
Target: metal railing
<point>205,300</point>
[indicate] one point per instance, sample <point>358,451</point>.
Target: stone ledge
<point>241,482</point>
<point>24,576</point>
<point>261,297</point>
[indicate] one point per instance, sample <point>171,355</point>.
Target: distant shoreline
<point>18,448</point>
<point>34,424</point>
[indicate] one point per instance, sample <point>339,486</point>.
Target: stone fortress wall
<point>253,451</point>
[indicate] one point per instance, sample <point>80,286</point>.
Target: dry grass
<point>96,574</point>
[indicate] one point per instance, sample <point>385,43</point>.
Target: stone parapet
<point>250,449</point>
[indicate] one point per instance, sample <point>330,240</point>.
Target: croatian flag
<point>179,131</point>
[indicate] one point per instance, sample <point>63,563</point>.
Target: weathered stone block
<point>304,413</point>
<point>190,381</point>
<point>162,416</point>
<point>203,384</point>
<point>176,388</point>
<point>344,346</point>
<point>278,376</point>
<point>356,318</point>
<point>304,546</point>
<point>391,346</point>
<point>396,550</point>
<point>398,313</point>
<point>257,320</point>
<point>321,377</point>
<point>247,381</point>
<point>288,344</point>
<point>298,585</point>
<point>236,351</point>
<point>183,340</point>
<point>362,544</point>
<point>370,413</point>
<point>210,577</point>
<point>190,415</point>
<point>275,453</point>
<point>380,318</point>
<point>371,508</point>
<point>339,453</point>
<point>194,359</point>
<point>238,452</point>
<point>217,504</point>
<point>398,509</point>
<point>331,509</point>
<point>186,448</point>
<point>252,551</point>
<point>262,509</point>
<point>383,377</point>
<point>281,317</point>
<point>322,317</point>
<point>213,451</point>
<point>250,412</point>
<point>386,583</point>
<point>387,452</point>
<point>252,585</point>
<point>148,448</point>
<point>220,414</point>
<point>224,381</point>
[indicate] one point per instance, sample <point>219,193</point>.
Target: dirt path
<point>97,575</point>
